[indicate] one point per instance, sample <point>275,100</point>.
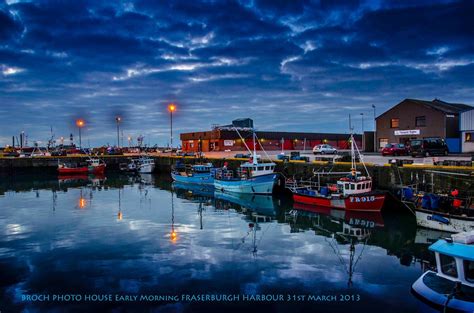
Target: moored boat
<point>202,174</point>
<point>252,176</point>
<point>353,192</point>
<point>449,213</point>
<point>144,165</point>
<point>451,287</point>
<point>72,169</point>
<point>96,166</point>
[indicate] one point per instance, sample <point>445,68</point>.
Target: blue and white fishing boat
<point>202,174</point>
<point>451,287</point>
<point>252,177</point>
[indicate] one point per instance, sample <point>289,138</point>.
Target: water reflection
<point>140,234</point>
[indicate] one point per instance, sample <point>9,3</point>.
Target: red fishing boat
<point>353,192</point>
<point>68,169</point>
<point>93,166</point>
<point>96,166</point>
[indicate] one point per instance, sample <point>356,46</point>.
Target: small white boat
<point>451,287</point>
<point>144,165</point>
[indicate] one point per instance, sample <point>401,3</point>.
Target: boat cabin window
<point>346,186</point>
<point>267,168</point>
<point>353,187</point>
<point>469,270</point>
<point>260,168</point>
<point>359,186</point>
<point>448,265</point>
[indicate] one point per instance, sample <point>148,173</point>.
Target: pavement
<point>370,157</point>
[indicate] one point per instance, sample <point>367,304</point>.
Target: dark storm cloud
<point>293,65</point>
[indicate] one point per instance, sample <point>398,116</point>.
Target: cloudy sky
<point>290,65</point>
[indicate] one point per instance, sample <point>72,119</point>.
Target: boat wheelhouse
<point>451,287</point>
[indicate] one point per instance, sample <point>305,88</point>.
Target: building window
<point>394,123</point>
<point>448,265</point>
<point>420,121</point>
<point>468,137</point>
<point>383,142</point>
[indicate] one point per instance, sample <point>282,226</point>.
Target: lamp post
<point>118,119</point>
<point>171,109</point>
<point>375,130</point>
<point>362,119</point>
<point>80,123</point>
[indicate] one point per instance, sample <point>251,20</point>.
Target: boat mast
<point>254,148</point>
<point>353,157</point>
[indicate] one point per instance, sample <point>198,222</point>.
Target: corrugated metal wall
<point>467,120</point>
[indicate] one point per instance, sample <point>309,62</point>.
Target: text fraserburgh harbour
<point>189,298</point>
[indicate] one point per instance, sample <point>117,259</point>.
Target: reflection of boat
<point>196,174</point>
<point>353,218</point>
<point>352,192</point>
<point>261,204</point>
<point>429,236</point>
<point>251,177</point>
<point>193,190</point>
<point>451,287</point>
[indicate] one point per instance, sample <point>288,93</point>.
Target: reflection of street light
<point>120,214</point>
<point>80,123</point>
<point>173,233</point>
<point>118,119</point>
<point>171,109</point>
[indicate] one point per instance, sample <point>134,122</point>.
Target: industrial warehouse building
<point>222,138</point>
<point>467,131</point>
<point>417,119</point>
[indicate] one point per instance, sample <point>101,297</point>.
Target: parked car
<point>428,146</point>
<point>296,156</point>
<point>242,156</point>
<point>395,149</point>
<point>324,149</point>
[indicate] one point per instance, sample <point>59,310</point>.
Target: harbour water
<point>140,236</point>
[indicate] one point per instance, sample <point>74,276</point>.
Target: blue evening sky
<point>289,65</point>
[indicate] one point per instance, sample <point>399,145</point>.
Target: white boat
<point>451,287</point>
<point>443,221</point>
<point>144,165</point>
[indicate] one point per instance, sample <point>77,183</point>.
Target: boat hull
<point>73,171</point>
<point>100,169</point>
<point>433,301</point>
<point>371,202</point>
<point>146,168</point>
<point>195,179</point>
<point>443,222</point>
<point>262,184</point>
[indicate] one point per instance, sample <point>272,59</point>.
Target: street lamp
<point>375,130</point>
<point>80,123</point>
<point>362,117</point>
<point>118,119</point>
<point>171,109</point>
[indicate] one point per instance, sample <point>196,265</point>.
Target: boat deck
<point>445,286</point>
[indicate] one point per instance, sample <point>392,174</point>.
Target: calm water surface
<point>143,235</point>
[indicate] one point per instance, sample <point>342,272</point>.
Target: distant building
<point>417,119</point>
<point>222,138</point>
<point>467,131</point>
